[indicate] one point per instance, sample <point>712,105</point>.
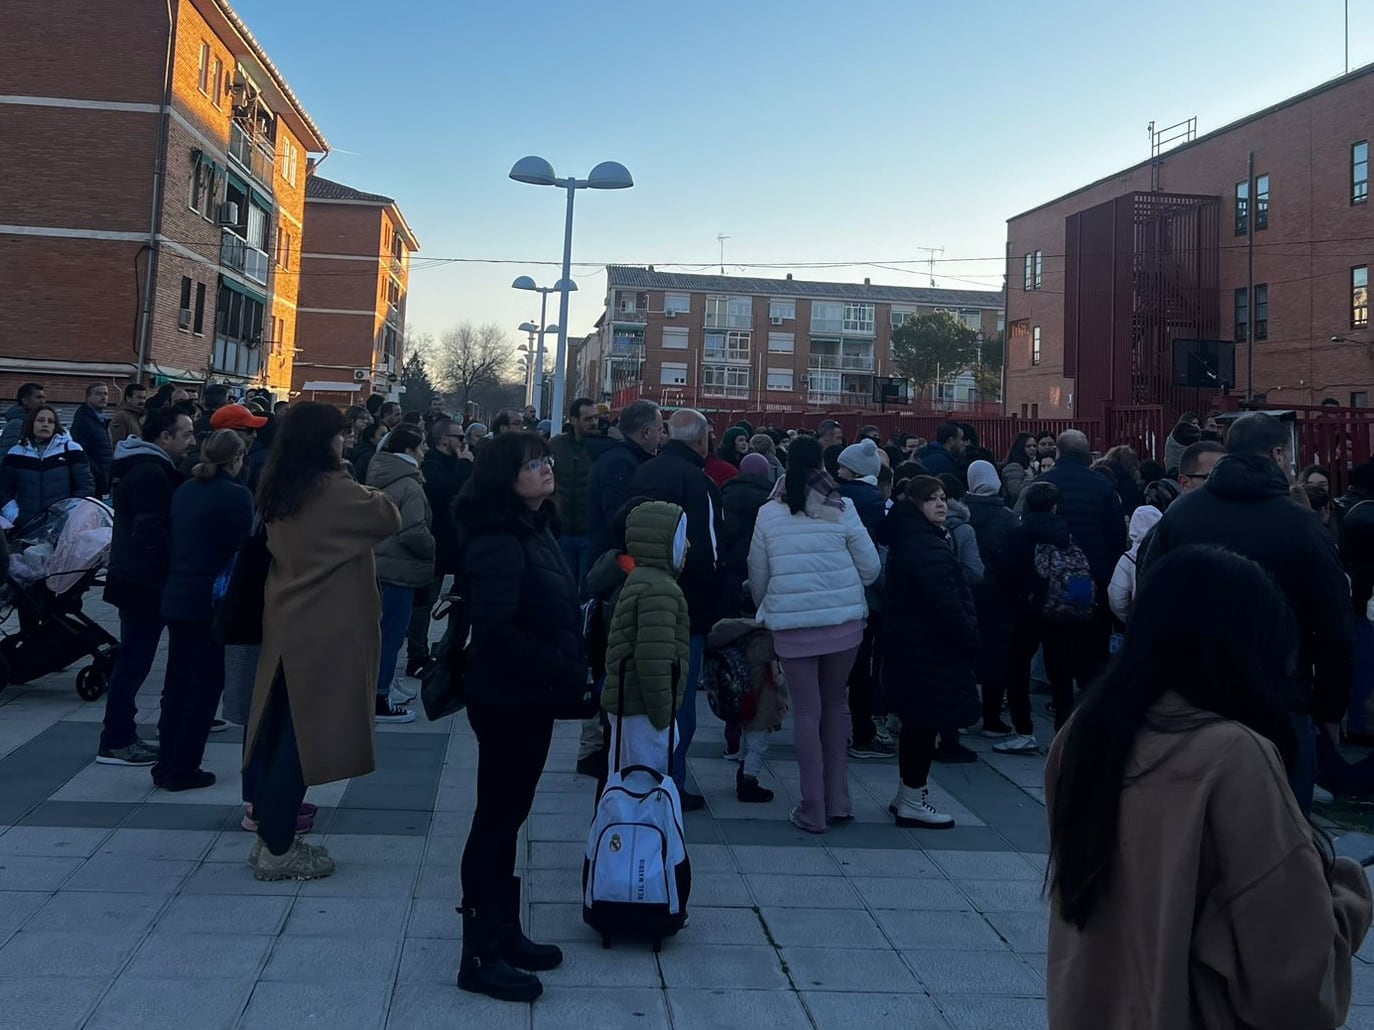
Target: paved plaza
<point>124,907</point>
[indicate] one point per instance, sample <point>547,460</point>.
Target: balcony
<point>739,393</point>
<point>842,362</point>
<point>237,253</point>
<point>625,313</point>
<point>257,159</point>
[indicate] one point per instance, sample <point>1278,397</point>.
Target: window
<point>780,379</point>
<point>674,339</point>
<point>782,309</point>
<point>1359,399</point>
<point>1034,271</point>
<point>204,187</point>
<point>725,380</point>
<point>971,318</point>
<point>1035,411</point>
<point>1359,172</point>
<point>730,346</point>
<point>1261,311</point>
<point>284,248</point>
<point>1242,207</point>
<point>827,316</point>
<point>290,155</point>
<point>780,343</point>
<point>676,303</point>
<point>1028,282</point>
<point>1261,202</point>
<point>823,382</point>
<point>198,325</point>
<point>203,72</point>
<point>1359,297</point>
<point>238,332</point>
<point>1035,345</point>
<point>674,373</point>
<point>185,299</point>
<point>729,312</point>
<point>899,317</point>
<point>858,318</point>
<point>1242,316</point>
<point>217,86</point>
<point>1039,268</point>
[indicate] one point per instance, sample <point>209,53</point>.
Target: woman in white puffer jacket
<point>809,561</point>
<point>1121,590</point>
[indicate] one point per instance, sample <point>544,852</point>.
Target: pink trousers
<point>820,716</point>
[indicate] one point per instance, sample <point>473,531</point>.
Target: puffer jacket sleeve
<point>970,560</point>
<point>947,599</point>
<point>758,555</point>
<point>79,468</point>
<point>415,535</point>
<point>860,545</point>
<point>1121,590</point>
<point>657,670</point>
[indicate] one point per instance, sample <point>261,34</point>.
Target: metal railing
<point>257,159</point>
<point>237,253</point>
<point>850,362</point>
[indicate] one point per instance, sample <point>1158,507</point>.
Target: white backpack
<point>636,876</point>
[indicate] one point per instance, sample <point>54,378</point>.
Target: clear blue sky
<point>807,130</point>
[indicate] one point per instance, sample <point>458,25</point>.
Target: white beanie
<point>862,458</point>
<point>983,479</point>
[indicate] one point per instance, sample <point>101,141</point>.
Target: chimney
<point>651,268</point>
<point>867,281</point>
<point>789,275</point>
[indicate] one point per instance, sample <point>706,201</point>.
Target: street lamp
<point>564,286</point>
<point>608,175</point>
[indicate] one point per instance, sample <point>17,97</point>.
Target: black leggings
<point>915,749</point>
<point>512,746</point>
<point>274,782</point>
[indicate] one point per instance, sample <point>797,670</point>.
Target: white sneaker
<point>1017,745</point>
<point>913,809</point>
<point>401,691</point>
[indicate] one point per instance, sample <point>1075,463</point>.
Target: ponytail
<point>803,458</point>
<point>219,449</point>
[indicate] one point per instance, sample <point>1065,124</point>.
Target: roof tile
<point>631,276</point>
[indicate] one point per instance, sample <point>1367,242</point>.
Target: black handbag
<point>441,683</point>
<point>239,592</point>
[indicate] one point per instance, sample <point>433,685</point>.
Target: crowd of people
<point>890,596</point>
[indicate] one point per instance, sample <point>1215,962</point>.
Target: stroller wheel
<point>91,683</point>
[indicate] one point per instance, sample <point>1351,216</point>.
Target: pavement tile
<point>772,891</point>
<point>88,814</point>
<point>601,1008</point>
<point>338,1006</point>
<point>374,848</point>
<point>199,956</point>
<point>698,1009</point>
<point>741,967</point>
<point>832,927</point>
<point>170,815</point>
<point>358,880</point>
<point>427,1006</point>
<point>26,1004</point>
<point>716,890</point>
<point>235,878</point>
<point>431,918</point>
<point>873,862</point>
<point>561,922</point>
<point>784,861</point>
<point>980,1012</point>
<point>17,906</point>
<point>545,826</point>
<point>711,926</point>
<point>427,960</point>
<point>363,959</point>
<point>1000,896</point>
<point>1361,1017</point>
<point>839,969</point>
<point>628,963</point>
<point>887,892</point>
<point>52,841</point>
<point>131,874</point>
<point>1025,932</point>
<point>158,844</point>
<point>346,917</point>
<point>94,912</point>
<point>967,972</point>
<point>917,930</point>
<point>985,865</point>
<point>842,1010</point>
<point>48,953</point>
<point>561,854</point>
<point>228,914</point>
<point>35,873</point>
<point>713,858</point>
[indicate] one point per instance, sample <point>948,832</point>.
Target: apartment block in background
<point>355,267</point>
<point>152,197</point>
<point>718,341</point>
<point>1104,280</point>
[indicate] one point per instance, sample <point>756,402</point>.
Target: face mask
<point>1318,497</point>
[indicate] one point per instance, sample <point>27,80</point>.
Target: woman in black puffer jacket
<point>526,652</point>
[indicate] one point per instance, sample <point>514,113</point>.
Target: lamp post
<point>564,286</point>
<point>608,175</point>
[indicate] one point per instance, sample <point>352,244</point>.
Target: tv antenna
<point>721,238</point>
<point>930,260</point>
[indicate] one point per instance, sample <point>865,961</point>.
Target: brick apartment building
<point>355,269</point>
<point>773,344</point>
<point>152,197</point>
<point>1103,280</point>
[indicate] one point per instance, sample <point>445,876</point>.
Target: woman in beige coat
<point>1188,891</point>
<point>311,718</point>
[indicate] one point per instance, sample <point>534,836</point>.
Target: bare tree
<point>471,358</point>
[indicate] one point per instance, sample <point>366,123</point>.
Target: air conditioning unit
<point>184,318</point>
<point>227,213</point>
<point>361,375</point>
<point>671,313</point>
<point>777,320</point>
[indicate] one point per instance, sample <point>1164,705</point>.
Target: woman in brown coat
<point>311,719</point>
<point>1188,891</point>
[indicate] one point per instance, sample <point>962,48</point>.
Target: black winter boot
<point>747,789</point>
<point>482,970</point>
<point>512,944</point>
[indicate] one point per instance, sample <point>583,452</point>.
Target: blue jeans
<point>577,552</point>
<point>139,634</point>
<point>1303,776</point>
<point>396,605</point>
<point>687,714</point>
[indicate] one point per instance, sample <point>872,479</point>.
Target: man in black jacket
<point>447,466</point>
<point>1089,504</point>
<point>1357,555</point>
<point>1244,507</point>
<point>608,484</point>
<point>573,454</point>
<point>678,475</point>
<point>91,429</point>
<point>145,476</point>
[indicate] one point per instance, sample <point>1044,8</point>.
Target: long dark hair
<point>498,464</point>
<point>1017,454</point>
<point>1226,615</point>
<point>803,458</point>
<point>302,455</point>
<point>26,431</point>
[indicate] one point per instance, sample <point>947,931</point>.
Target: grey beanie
<point>862,458</point>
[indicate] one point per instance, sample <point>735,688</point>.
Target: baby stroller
<point>49,564</point>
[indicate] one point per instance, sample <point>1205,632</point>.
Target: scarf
<point>818,481</point>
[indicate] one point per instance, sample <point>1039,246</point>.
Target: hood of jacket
<point>1246,478</point>
<point>656,536</point>
<point>1142,521</point>
<point>981,506</point>
<point>958,515</point>
<point>15,411</point>
<point>132,447</point>
<point>387,468</point>
<point>60,442</point>
<point>1045,527</point>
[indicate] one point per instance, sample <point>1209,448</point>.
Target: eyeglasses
<point>539,464</point>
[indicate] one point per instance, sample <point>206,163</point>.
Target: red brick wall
<point>102,51</point>
<point>1315,235</point>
